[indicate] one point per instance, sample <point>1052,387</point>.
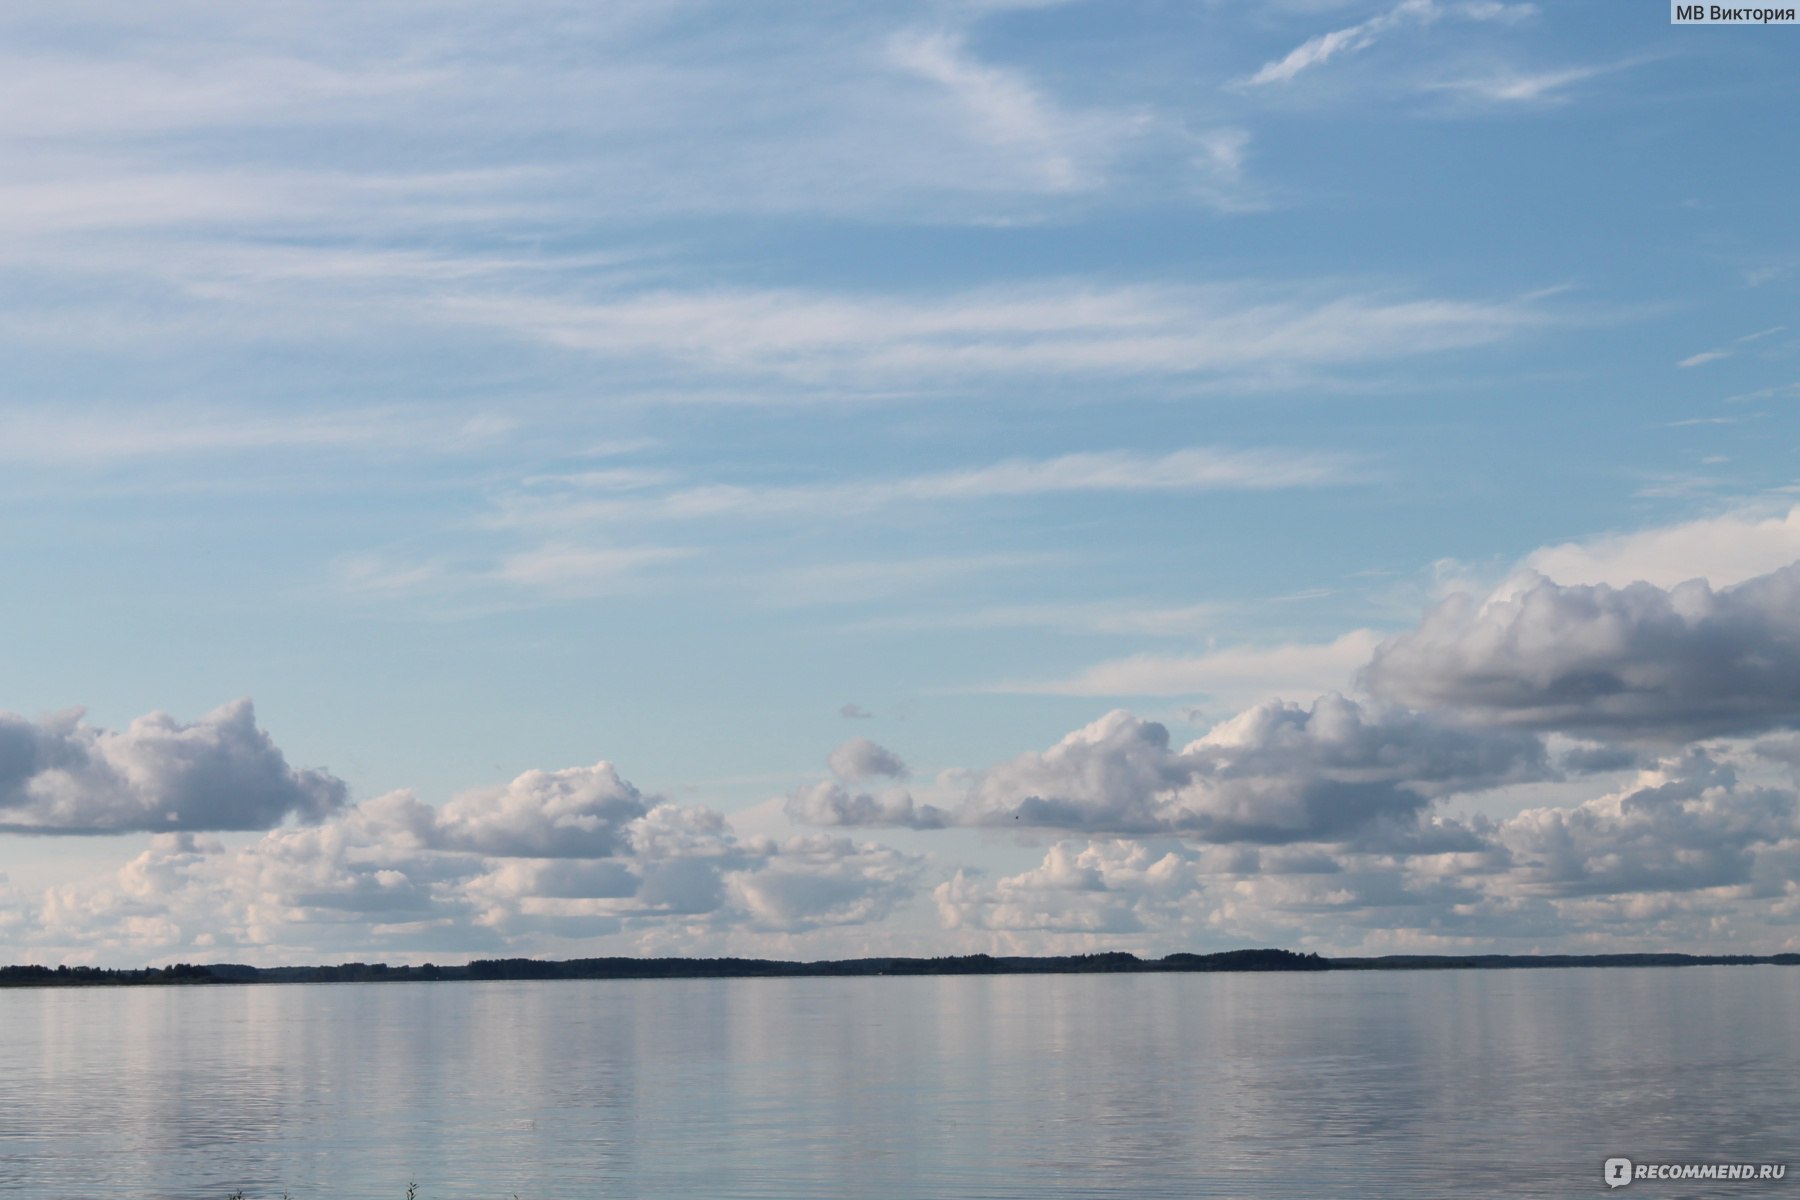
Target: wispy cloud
<point>1317,51</point>
<point>1706,356</point>
<point>123,239</point>
<point>1239,672</point>
<point>1783,391</point>
<point>1220,164</point>
<point>41,437</point>
<point>1189,470</point>
<point>1008,111</point>
<point>666,110</point>
<point>563,535</point>
<point>1056,327</point>
<point>537,573</point>
<point>858,581</point>
<point>580,570</point>
<point>1523,87</point>
<point>1101,618</point>
<point>92,196</point>
<point>1690,422</point>
<point>637,309</point>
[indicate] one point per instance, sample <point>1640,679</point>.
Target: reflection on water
<point>1514,1083</point>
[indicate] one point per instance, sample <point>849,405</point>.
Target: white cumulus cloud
<point>221,772</point>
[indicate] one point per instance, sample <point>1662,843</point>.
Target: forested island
<point>1117,962</point>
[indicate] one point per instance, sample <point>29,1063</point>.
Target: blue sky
<point>956,462</point>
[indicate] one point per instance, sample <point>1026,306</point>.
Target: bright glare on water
<point>1496,1083</point>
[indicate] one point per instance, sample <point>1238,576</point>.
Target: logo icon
<point>1618,1172</point>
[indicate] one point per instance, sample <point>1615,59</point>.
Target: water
<point>1516,1083</point>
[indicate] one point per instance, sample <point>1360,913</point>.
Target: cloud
<point>1162,896</point>
<point>1723,550</point>
<point>1194,469</point>
<point>575,570</point>
<point>859,758</point>
<point>63,776</point>
<point>1639,662</point>
<point>1102,617</point>
<point>855,712</point>
<point>575,813</point>
<point>1687,824</point>
<point>1218,176</point>
<point>1006,111</point>
<point>672,110</point>
<point>1336,771</point>
<point>1526,87</point>
<point>849,581</point>
<point>818,880</point>
<point>1222,153</point>
<point>554,858</point>
<point>1321,49</point>
<point>1350,822</point>
<point>1317,51</point>
<point>829,803</point>
<point>1105,887</point>
<point>1706,356</point>
<point>1302,826</point>
<point>1241,672</point>
<point>1047,329</point>
<point>63,438</point>
<point>400,242</point>
<point>552,571</point>
<point>1686,854</point>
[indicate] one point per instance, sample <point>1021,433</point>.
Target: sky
<point>831,479</point>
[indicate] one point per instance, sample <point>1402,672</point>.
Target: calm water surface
<point>1514,1083</point>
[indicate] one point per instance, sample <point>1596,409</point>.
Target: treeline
<point>35,976</point>
<point>1116,962</point>
<point>1465,962</point>
<point>659,968</point>
<point>193,973</point>
<point>1113,963</point>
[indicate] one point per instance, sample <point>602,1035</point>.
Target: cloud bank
<point>555,858</point>
<point>1554,765</point>
<point>1385,822</point>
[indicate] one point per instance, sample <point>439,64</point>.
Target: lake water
<point>1497,1083</point>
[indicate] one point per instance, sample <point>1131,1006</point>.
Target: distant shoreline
<point>1114,963</point>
